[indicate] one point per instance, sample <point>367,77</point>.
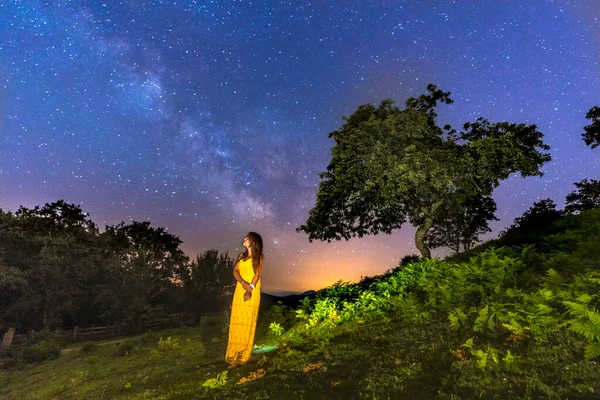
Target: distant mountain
<point>290,299</point>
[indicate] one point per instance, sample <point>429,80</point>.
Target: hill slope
<point>508,323</point>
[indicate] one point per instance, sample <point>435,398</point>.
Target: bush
<point>125,349</point>
<point>280,314</point>
<point>89,347</point>
<point>48,349</point>
<point>169,345</point>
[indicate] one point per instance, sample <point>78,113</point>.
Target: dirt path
<point>65,351</point>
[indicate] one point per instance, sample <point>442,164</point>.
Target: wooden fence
<point>83,334</point>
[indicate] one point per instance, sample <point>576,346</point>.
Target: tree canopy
<point>461,227</point>
<point>586,197</point>
<point>532,225</point>
<point>390,166</point>
<point>591,132</point>
<point>57,270</point>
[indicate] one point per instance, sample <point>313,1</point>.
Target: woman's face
<point>246,242</point>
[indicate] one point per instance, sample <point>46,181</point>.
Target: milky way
<point>210,118</point>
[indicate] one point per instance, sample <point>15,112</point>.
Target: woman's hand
<point>247,286</point>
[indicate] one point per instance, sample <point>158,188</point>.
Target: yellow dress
<point>242,324</point>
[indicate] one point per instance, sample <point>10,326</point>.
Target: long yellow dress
<point>242,324</point>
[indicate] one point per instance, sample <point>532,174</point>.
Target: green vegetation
<point>511,322</point>
<point>58,270</point>
<point>390,166</point>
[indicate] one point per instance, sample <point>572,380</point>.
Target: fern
<point>576,309</point>
<point>586,323</point>
<point>457,318</point>
<point>594,317</point>
<point>482,319</point>
<point>586,329</point>
<point>592,351</point>
<point>510,359</point>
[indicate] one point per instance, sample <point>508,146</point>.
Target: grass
<point>379,360</point>
<point>147,369</point>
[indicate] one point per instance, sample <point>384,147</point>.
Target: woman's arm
<point>238,276</point>
<point>257,273</point>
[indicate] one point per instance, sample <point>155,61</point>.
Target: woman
<point>246,299</point>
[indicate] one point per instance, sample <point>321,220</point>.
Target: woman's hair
<point>256,244</point>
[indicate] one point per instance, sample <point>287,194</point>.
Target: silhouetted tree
<point>535,223</point>
<point>586,197</point>
<point>49,256</point>
<point>151,263</point>
<point>591,134</point>
<point>462,224</point>
<point>208,281</point>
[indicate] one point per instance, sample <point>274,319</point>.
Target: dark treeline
<point>57,269</point>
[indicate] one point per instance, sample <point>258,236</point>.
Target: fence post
<point>57,332</point>
<point>75,333</point>
<point>7,339</point>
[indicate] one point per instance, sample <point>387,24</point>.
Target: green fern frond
<point>594,317</point>
<point>547,294</point>
<point>592,351</point>
<point>584,298</point>
<point>543,309</point>
<point>576,309</point>
<point>454,324</point>
<point>457,317</point>
<point>586,329</point>
<point>481,320</point>
<point>491,324</point>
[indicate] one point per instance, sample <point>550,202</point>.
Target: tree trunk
<point>423,229</point>
<point>420,239</point>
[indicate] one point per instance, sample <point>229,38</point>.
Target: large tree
<point>48,260</point>
<point>208,281</point>
<point>591,134</point>
<point>390,166</point>
<point>151,264</point>
<point>459,225</point>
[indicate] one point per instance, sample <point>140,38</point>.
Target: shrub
<point>45,350</point>
<point>89,347</point>
<point>168,346</point>
<point>125,349</point>
<point>280,314</point>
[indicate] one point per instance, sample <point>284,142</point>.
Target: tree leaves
<point>390,166</point>
<point>591,134</point>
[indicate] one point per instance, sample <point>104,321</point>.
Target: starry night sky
<point>210,118</point>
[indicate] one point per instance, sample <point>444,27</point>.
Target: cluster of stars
<point>210,118</point>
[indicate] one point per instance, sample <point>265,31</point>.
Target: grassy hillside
<point>507,323</point>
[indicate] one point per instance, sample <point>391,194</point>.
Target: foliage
<point>461,224</point>
<point>125,349</point>
<point>57,269</point>
<point>280,314</point>
<point>208,282</point>
<point>217,382</point>
<point>150,262</point>
<point>586,197</point>
<point>511,322</point>
<point>276,329</point>
<point>169,346</point>
<point>533,225</point>
<point>390,166</point>
<point>591,134</point>
<point>89,347</point>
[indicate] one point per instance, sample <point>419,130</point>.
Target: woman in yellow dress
<point>246,300</point>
